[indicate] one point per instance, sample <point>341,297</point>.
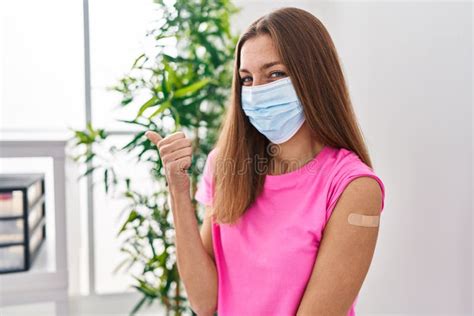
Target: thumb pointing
<point>154,137</point>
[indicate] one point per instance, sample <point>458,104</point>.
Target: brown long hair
<point>308,52</point>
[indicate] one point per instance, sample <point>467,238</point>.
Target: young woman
<point>292,201</point>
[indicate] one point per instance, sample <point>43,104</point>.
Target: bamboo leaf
<point>134,140</point>
<point>122,264</point>
<point>83,137</point>
<point>146,105</point>
<point>90,170</point>
<point>191,88</point>
<point>138,59</point>
<point>102,134</point>
<point>173,78</point>
<point>176,116</point>
<point>133,122</point>
<point>126,100</point>
<point>106,180</point>
<point>162,107</point>
<point>137,307</point>
<point>89,157</point>
<point>131,217</point>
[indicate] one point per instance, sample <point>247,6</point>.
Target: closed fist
<point>176,154</point>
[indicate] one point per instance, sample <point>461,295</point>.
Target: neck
<point>294,153</point>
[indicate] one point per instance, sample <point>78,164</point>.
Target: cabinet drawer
<point>11,231</point>
<point>12,258</point>
<point>11,203</point>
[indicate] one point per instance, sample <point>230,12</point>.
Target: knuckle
<point>165,149</point>
<point>181,165</point>
<point>160,142</point>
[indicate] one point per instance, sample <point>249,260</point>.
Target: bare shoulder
<point>362,194</point>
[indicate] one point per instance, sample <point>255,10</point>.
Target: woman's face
<point>260,62</point>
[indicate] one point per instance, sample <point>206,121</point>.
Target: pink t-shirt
<point>264,262</point>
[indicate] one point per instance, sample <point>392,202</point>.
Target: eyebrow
<point>264,66</point>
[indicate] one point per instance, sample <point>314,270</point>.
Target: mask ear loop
<point>363,220</point>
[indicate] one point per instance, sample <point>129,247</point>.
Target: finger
<point>177,144</point>
<point>181,164</point>
<point>175,155</point>
<point>171,138</point>
<point>154,137</point>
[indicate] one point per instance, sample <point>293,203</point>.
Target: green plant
<point>188,88</point>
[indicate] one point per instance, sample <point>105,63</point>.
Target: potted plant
<point>189,89</point>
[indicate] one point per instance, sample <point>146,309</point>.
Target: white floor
<point>58,303</point>
<point>116,304</point>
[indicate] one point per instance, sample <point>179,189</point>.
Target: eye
<point>278,74</point>
<point>243,80</point>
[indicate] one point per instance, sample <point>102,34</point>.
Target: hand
<point>176,153</point>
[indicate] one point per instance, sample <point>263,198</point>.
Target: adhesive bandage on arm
<point>363,220</point>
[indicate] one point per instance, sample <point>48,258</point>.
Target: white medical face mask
<point>274,109</point>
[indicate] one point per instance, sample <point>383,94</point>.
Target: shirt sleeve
<point>342,180</point>
<point>205,188</point>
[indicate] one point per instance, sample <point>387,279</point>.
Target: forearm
<point>195,266</point>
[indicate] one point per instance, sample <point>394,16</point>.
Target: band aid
<point>363,220</point>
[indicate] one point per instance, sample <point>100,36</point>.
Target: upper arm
<point>345,252</point>
<point>205,232</point>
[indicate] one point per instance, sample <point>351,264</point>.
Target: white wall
<point>409,68</point>
<point>41,65</point>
